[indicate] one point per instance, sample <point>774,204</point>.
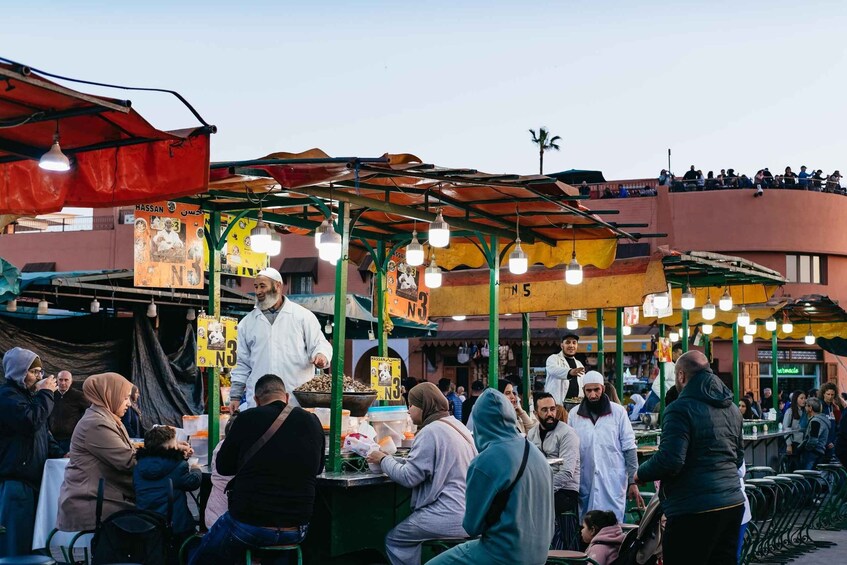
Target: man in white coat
<point>277,337</point>
<point>608,460</point>
<point>565,371</point>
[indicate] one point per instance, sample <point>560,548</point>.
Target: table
<point>48,501</point>
<point>764,449</point>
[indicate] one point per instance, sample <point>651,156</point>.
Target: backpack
<point>132,535</point>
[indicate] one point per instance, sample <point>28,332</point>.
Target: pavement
<point>826,555</point>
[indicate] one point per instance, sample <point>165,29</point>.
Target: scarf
<point>594,410</point>
<point>107,390</point>
<point>431,401</point>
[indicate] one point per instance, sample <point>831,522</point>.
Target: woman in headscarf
<point>100,447</point>
<point>435,470</point>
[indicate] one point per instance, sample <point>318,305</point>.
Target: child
<point>218,504</point>
<point>603,534</point>
<point>161,459</point>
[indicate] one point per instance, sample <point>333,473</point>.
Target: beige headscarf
<point>107,390</point>
<point>431,401</point>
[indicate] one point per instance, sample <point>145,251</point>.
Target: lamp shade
<point>260,237</point>
<point>661,300</point>
<point>810,338</point>
<point>518,261</point>
<point>275,245</point>
<point>191,315</point>
<point>319,231</point>
<point>751,329</point>
<point>439,232</point>
<point>432,275</point>
<point>95,306</point>
<point>12,306</point>
<point>626,330</point>
<point>725,303</point>
<point>54,159</point>
<point>688,300</point>
<point>414,251</point>
<point>152,310</point>
<point>748,339</point>
<point>770,324</point>
<point>460,317</point>
<point>573,272</point>
<point>571,323</point>
<point>743,318</point>
<point>707,329</point>
<point>787,327</point>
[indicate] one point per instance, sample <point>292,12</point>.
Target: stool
<point>28,560</point>
<point>565,557</point>
<point>248,555</point>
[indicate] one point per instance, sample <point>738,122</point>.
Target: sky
<point>741,84</point>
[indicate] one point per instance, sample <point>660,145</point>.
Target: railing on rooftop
<point>74,223</point>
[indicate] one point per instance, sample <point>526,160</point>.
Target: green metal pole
<point>213,389</point>
<point>493,312</point>
<point>707,348</point>
<point>619,351</point>
<point>661,376</point>
<point>684,335</point>
<point>525,351</point>
<point>338,337</point>
<point>382,335</point>
<point>736,384</point>
<point>774,369</point>
<point>601,343</point>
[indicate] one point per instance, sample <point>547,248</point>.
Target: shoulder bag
<point>269,433</point>
<point>498,505</point>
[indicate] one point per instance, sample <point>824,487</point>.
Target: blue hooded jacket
<point>526,526</point>
<point>150,478</point>
<point>25,440</point>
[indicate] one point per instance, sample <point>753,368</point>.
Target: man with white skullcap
<point>277,337</point>
<point>608,460</point>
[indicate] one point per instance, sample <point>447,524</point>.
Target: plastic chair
<point>248,554</point>
<point>564,557</point>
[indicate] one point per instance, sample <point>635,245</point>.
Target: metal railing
<point>73,223</point>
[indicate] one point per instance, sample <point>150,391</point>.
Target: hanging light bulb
<point>460,318</point>
<point>95,306</point>
<point>54,159</point>
<point>371,335</point>
<point>707,329</point>
<point>725,303</point>
<point>747,339</point>
<point>708,312</point>
<point>432,274</point>
<point>42,307</point>
<point>191,315</point>
<point>770,324</point>
<point>12,305</point>
<point>626,330</point>
<point>661,300</point>
<point>319,231</point>
<point>688,300</point>
<point>751,329</point>
<point>743,318</point>
<point>152,310</point>
<point>571,323</point>
<point>260,236</point>
<point>330,249</point>
<point>573,272</point>
<point>673,335</point>
<point>275,245</point>
<point>518,260</point>
<point>810,337</point>
<point>439,232</point>
<point>415,251</point>
<point>787,326</point>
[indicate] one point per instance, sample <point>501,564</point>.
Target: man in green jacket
<point>521,533</point>
<point>697,464</point>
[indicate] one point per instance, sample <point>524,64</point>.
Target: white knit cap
<point>271,273</point>
<point>593,378</point>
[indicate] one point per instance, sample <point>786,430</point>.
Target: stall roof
<point>117,157</point>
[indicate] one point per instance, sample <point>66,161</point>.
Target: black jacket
<point>701,450</point>
<point>25,441</point>
<point>150,478</point>
<point>68,409</point>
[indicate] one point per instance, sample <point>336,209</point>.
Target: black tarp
<point>184,367</point>
<point>835,345</point>
<point>162,399</point>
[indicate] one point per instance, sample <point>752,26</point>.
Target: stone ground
<point>826,555</point>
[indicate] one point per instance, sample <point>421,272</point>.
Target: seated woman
<point>100,447</point>
<point>217,505</point>
<point>746,408</point>
<point>435,470</point>
<point>603,534</point>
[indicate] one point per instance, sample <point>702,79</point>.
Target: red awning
<point>117,157</point>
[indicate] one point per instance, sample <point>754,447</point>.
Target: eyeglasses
<point>36,371</point>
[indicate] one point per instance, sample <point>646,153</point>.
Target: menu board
<point>168,245</point>
<point>385,378</point>
<point>216,341</point>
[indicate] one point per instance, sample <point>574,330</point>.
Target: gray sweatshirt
<point>436,468</point>
<point>562,443</point>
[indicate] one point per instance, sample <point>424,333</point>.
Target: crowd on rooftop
<point>806,179</point>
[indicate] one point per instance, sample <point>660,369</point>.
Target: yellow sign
<point>385,378</point>
<point>406,292</point>
<point>216,341</point>
<point>237,258</point>
<point>168,245</point>
<point>665,350</point>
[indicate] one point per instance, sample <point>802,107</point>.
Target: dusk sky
<point>741,84</point>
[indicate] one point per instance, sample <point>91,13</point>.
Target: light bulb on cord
<point>707,329</point>
<point>54,159</point>
<point>275,245</point>
<point>661,300</point>
<point>460,317</point>
<point>432,274</point>
<point>95,306</point>
<point>12,305</point>
<point>328,327</point>
<point>626,330</point>
<point>152,310</point>
<point>518,261</point>
<point>770,324</point>
<point>688,300</point>
<point>751,329</point>
<point>673,335</point>
<point>191,315</point>
<point>709,311</point>
<point>573,272</point>
<point>371,335</point>
<point>414,251</point>
<point>330,249</point>
<point>787,327</point>
<point>319,231</point>
<point>439,231</point>
<point>743,318</point>
<point>42,307</point>
<point>747,339</point>
<point>571,323</point>
<point>260,236</point>
<point>725,303</point>
<point>810,338</point>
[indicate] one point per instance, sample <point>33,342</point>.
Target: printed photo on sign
<point>406,293</point>
<point>385,377</point>
<point>216,341</point>
<point>407,281</point>
<point>168,245</point>
<point>237,257</point>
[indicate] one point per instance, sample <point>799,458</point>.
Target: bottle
<point>780,426</point>
<point>765,429</point>
<point>755,432</point>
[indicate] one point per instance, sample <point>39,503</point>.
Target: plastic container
<point>324,415</point>
<point>389,421</point>
<point>200,444</point>
<point>192,424</point>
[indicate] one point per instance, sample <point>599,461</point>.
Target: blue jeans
<point>228,539</point>
<point>17,514</point>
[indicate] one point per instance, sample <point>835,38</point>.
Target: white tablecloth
<point>48,501</point>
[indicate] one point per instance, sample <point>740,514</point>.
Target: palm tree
<point>544,143</point>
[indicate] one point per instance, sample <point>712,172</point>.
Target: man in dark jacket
<point>69,404</point>
<point>697,463</point>
<point>26,400</point>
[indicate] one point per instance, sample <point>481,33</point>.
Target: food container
<point>324,415</point>
<point>192,424</point>
<point>356,402</point>
<point>200,444</point>
<point>389,421</point>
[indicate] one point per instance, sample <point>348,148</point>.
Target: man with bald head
<point>69,404</point>
<point>277,337</point>
<point>697,464</point>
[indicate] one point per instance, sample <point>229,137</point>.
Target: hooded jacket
<point>25,441</point>
<point>525,527</point>
<point>701,450</point>
<point>153,469</point>
<point>606,545</point>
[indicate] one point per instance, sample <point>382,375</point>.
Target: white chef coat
<point>557,377</point>
<point>167,240</point>
<point>285,349</point>
<point>602,480</point>
<point>670,379</point>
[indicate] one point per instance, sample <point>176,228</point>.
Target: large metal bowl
<point>356,402</point>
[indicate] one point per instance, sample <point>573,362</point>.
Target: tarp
<point>9,281</point>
